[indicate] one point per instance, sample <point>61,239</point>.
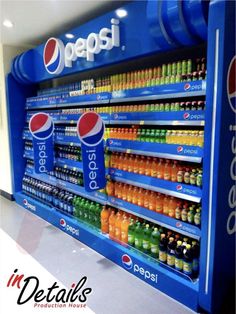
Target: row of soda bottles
<point>184,70</point>
<point>161,244</point>
<point>68,152</point>
<point>137,133</point>
<point>168,247</point>
<point>155,201</point>
<point>65,174</point>
<point>171,170</point>
<point>154,107</point>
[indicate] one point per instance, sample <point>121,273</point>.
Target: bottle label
<point>187,268</point>
<point>177,214</point>
<point>146,245</point>
<point>178,264</point>
<point>130,239</point>
<point>197,219</point>
<point>154,248</point>
<point>159,208</point>
<point>162,256</point>
<point>170,260</point>
<point>137,242</point>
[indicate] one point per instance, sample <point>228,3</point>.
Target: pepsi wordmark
<point>231,91</point>
<point>56,56</point>
<point>41,127</point>
<point>90,129</point>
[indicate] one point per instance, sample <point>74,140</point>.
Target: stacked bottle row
<point>154,107</point>
<point>68,152</point>
<point>157,202</point>
<point>168,247</point>
<point>180,71</point>
<point>166,169</point>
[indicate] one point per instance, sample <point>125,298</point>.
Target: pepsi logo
<point>53,56</point>
<point>62,222</point>
<point>41,126</point>
<point>110,142</point>
<point>179,187</point>
<point>25,202</point>
<point>90,128</point>
<point>186,116</point>
<point>231,86</point>
<point>116,116</point>
<point>180,149</point>
<point>179,224</point>
<point>187,86</point>
<point>127,261</point>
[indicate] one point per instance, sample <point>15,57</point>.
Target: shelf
<point>180,190</point>
<point>68,101</point>
<point>174,284</point>
<point>67,140</point>
<point>170,151</point>
<point>177,90</point>
<point>69,164</point>
<point>191,118</point>
<point>163,220</point>
<point>70,187</point>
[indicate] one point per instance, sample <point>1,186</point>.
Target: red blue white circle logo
<point>62,222</point>
<point>41,126</point>
<point>180,149</point>
<point>25,202</point>
<point>127,261</point>
<point>186,115</point>
<point>179,224</point>
<point>53,56</point>
<point>90,128</point>
<point>179,187</point>
<point>231,84</point>
<point>187,86</point>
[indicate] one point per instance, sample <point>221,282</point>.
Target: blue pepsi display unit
<point>148,28</point>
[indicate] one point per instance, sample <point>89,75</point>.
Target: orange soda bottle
<point>110,188</point>
<point>135,195</point>
<point>125,163</point>
<point>130,194</point>
<point>140,198</point>
<point>119,189</point>
<point>124,229</point>
<point>124,191</point>
<point>152,201</point>
<point>154,167</point>
<point>174,171</point>
<point>146,199</point>
<point>130,162</point>
<point>105,213</point>
<point>160,169</point>
<point>166,201</point>
<point>112,219</point>
<point>118,226</point>
<point>159,203</point>
<point>136,164</point>
<point>148,166</point>
<point>172,207</point>
<point>141,169</point>
<point>120,161</point>
<point>167,170</point>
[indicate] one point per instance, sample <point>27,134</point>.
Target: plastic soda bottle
<point>195,255</point>
<point>118,226</point>
<point>171,252</point>
<point>166,205</point>
<point>188,261</point>
<point>105,213</point>
<point>179,256</point>
<point>160,169</point>
<point>131,233</point>
<point>138,238</point>
<point>124,229</point>
<point>159,203</point>
<point>146,239</point>
<point>112,219</point>
<point>110,188</point>
<point>152,201</point>
<point>146,198</point>
<point>154,166</point>
<point>140,197</point>
<point>167,170</point>
<point>174,171</point>
<point>154,243</point>
<point>163,248</point>
<point>172,207</point>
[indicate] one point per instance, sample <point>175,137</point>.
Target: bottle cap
<point>179,243</point>
<point>188,246</point>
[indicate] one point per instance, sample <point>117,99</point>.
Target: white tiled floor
<point>115,291</point>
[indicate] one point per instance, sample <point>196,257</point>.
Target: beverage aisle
<point>113,289</point>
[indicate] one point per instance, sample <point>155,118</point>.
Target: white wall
<point>7,53</point>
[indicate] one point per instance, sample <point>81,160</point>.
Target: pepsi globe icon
<point>41,126</point>
<point>53,56</point>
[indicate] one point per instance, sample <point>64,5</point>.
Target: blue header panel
<point>137,29</point>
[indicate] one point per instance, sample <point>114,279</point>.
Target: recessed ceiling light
<point>7,23</point>
<point>121,13</point>
<point>69,35</point>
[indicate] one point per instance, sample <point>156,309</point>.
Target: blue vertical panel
<point>16,97</point>
<point>218,221</point>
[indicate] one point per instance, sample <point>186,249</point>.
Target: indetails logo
<point>135,268</point>
<point>69,228</point>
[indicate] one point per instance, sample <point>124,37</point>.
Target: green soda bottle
<point>91,213</point>
<point>146,239</point>
<point>157,136</point>
<point>81,208</point>
<point>152,136</point>
<point>138,236</point>
<point>131,233</point>
<point>154,243</point>
<point>143,135</point>
<point>86,210</point>
<point>148,136</point>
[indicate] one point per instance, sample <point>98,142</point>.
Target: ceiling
<point>35,21</point>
